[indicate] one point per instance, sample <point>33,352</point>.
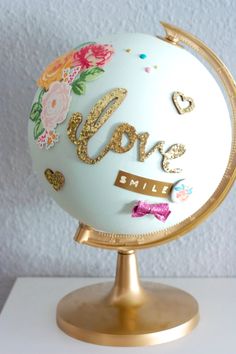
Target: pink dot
<point>147,69</point>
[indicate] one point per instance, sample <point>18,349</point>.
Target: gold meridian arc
<point>87,235</point>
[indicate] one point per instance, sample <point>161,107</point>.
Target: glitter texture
<point>73,125</point>
<point>116,139</point>
<point>99,114</point>
<point>161,211</point>
<point>143,155</point>
<point>56,179</point>
<point>174,152</point>
<point>179,98</point>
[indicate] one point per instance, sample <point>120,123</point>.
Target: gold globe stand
<point>127,313</point>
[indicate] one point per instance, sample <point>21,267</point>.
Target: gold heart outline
<point>56,179</point>
<point>181,110</point>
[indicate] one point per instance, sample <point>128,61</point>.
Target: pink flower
<point>69,75</point>
<point>92,55</point>
<point>55,104</point>
<point>182,195</point>
<point>42,139</point>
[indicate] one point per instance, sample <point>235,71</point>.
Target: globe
<point>129,133</point>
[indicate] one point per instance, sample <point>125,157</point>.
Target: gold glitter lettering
<point>142,145</point>
<point>98,116</point>
<point>116,139</point>
<point>73,125</point>
<point>174,152</point>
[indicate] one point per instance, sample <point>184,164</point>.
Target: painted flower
<point>48,139</point>
<point>51,138</point>
<point>55,104</point>
<point>92,55</point>
<point>71,72</point>
<point>182,195</point>
<point>69,75</point>
<point>53,72</point>
<point>42,140</point>
<point>183,192</point>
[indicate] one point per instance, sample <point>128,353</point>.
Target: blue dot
<point>142,56</point>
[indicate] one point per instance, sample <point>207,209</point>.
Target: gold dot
<point>128,50</point>
<point>155,66</point>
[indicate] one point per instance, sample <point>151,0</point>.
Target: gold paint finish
<point>127,313</point>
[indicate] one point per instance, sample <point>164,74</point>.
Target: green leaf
<point>40,96</point>
<point>35,111</point>
<point>79,87</point>
<point>84,45</point>
<point>38,129</point>
<point>91,74</point>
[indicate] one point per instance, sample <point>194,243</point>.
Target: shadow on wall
<point>6,285</point>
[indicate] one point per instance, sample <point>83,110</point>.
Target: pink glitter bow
<point>160,211</point>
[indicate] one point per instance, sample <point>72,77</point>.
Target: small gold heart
<point>179,99</point>
<point>56,179</point>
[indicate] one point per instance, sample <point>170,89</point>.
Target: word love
<point>98,116</point>
<point>143,185</point>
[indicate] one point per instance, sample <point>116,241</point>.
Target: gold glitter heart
<point>56,179</point>
<point>179,99</point>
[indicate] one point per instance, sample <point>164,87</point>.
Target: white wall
<point>36,235</point>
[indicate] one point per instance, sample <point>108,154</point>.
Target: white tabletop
<point>27,322</point>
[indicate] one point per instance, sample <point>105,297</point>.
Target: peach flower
<point>55,104</point>
<point>54,71</point>
<point>182,195</point>
<point>48,139</point>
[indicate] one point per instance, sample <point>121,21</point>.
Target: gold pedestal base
<point>127,314</point>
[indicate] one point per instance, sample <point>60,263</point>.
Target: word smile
<point>143,185</point>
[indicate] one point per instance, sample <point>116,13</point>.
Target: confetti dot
<point>155,66</point>
<point>147,69</point>
<point>128,50</point>
<point>142,56</point>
